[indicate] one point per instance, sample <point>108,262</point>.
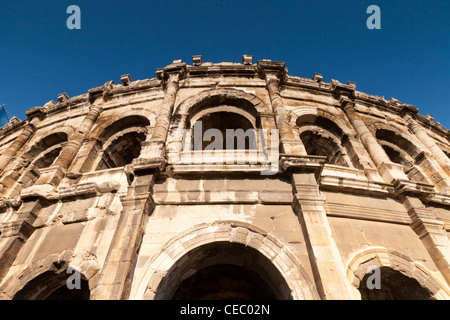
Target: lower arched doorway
<point>394,285</point>
<point>52,286</point>
<point>223,270</point>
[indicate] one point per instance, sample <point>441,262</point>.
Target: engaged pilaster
<point>440,157</point>
<point>54,174</point>
<point>274,73</point>
<point>389,171</point>
<point>35,115</point>
<point>326,261</point>
<point>153,151</point>
<point>430,230</point>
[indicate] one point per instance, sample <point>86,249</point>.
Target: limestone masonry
<point>104,186</point>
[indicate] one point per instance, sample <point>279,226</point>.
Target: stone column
<point>115,278</point>
<point>431,231</point>
<point>326,262</point>
<point>54,174</point>
<point>153,151</point>
<point>272,72</point>
<point>429,143</point>
<point>35,116</point>
<point>389,171</point>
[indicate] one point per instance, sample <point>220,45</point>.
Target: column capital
<point>36,113</point>
<point>272,70</point>
<point>272,79</point>
<point>343,90</point>
<point>102,91</point>
<point>346,103</point>
<point>408,110</point>
<point>175,71</point>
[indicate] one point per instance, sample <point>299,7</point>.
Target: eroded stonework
<point>111,184</point>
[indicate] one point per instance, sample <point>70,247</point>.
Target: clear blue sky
<point>407,59</point>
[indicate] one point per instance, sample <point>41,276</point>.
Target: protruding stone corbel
<point>177,69</point>
<point>62,97</point>
<point>408,187</point>
<point>247,59</point>
<point>125,79</point>
<point>272,70</point>
<point>407,109</point>
<point>197,60</point>
<point>103,91</point>
<point>141,166</point>
<point>340,89</point>
<point>317,77</point>
<point>43,191</point>
<point>303,163</point>
<point>36,112</point>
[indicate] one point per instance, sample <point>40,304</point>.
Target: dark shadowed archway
<point>223,270</point>
<point>52,286</point>
<point>394,285</point>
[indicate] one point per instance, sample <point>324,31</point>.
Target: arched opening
<point>318,145</point>
<point>52,286</point>
<point>224,282</point>
<point>394,285</point>
<point>223,131</point>
<point>48,158</point>
<point>411,171</point>
<point>323,137</point>
<point>45,144</point>
<point>118,144</point>
<point>223,270</point>
<point>39,156</point>
<point>122,151</point>
<point>404,152</point>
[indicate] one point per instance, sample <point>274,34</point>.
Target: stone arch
<point>116,141</point>
<point>244,106</point>
<point>322,133</point>
<point>403,149</point>
<point>43,277</point>
<point>239,98</point>
<point>43,144</point>
<point>108,120</point>
<point>165,261</point>
<point>309,114</point>
<point>40,154</point>
<point>402,133</point>
<point>380,257</point>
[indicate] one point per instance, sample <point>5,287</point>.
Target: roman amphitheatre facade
<point>334,188</point>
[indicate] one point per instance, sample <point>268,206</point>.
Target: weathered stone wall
<point>99,183</point>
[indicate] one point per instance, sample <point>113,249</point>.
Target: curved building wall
<point>331,183</point>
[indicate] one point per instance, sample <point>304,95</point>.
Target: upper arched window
<point>322,137</point>
<point>222,127</point>
<point>223,131</point>
<point>404,152</point>
<point>118,144</point>
<point>40,155</point>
